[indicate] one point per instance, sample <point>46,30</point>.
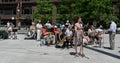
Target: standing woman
<point>78,37</point>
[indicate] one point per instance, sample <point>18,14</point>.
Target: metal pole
<point>19,11</point>
<point>0,20</point>
<point>103,36</point>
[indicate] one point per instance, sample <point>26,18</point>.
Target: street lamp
<point>13,18</point>
<point>18,10</point>
<point>18,15</point>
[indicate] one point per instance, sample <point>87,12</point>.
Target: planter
<point>3,34</point>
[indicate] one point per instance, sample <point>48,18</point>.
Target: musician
<point>61,36</point>
<point>56,33</point>
<point>49,26</point>
<point>69,35</point>
<point>62,33</point>
<point>46,35</point>
<point>78,37</point>
<point>33,30</point>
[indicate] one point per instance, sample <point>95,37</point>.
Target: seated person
<point>98,36</point>
<point>62,33</point>
<point>32,32</point>
<point>55,30</point>
<point>56,33</point>
<point>86,39</point>
<point>46,35</point>
<point>33,29</point>
<point>69,35</point>
<point>49,26</point>
<point>91,34</point>
<point>62,37</point>
<point>52,38</point>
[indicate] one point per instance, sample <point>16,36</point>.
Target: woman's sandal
<point>81,54</point>
<point>76,55</point>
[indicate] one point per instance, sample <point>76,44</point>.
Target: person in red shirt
<point>46,35</point>
<point>55,30</point>
<point>56,33</point>
<point>44,31</point>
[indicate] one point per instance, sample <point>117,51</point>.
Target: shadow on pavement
<point>73,53</point>
<point>96,46</point>
<point>107,48</point>
<point>106,53</point>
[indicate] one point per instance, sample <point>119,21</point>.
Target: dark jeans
<point>68,43</point>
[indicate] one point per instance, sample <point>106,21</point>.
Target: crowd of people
<point>67,34</point>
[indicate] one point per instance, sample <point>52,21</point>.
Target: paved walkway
<point>29,51</point>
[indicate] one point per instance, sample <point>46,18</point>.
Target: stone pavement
<point>30,51</point>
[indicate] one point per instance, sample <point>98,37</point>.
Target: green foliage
<point>2,32</point>
<point>90,10</point>
<point>44,10</point>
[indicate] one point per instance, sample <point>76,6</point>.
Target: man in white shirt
<point>48,24</point>
<point>112,32</point>
<point>68,34</point>
<point>67,23</point>
<point>39,30</point>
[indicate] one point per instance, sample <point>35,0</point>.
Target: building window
<point>7,11</point>
<point>1,11</point>
<point>8,0</point>
<point>26,0</point>
<point>27,10</point>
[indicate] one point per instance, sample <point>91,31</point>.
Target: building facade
<point>21,10</point>
<point>16,11</point>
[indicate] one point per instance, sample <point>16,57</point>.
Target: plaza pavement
<point>30,51</point>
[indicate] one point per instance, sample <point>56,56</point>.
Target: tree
<point>100,11</point>
<point>118,14</point>
<point>44,10</point>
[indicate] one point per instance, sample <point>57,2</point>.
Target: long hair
<point>76,20</point>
